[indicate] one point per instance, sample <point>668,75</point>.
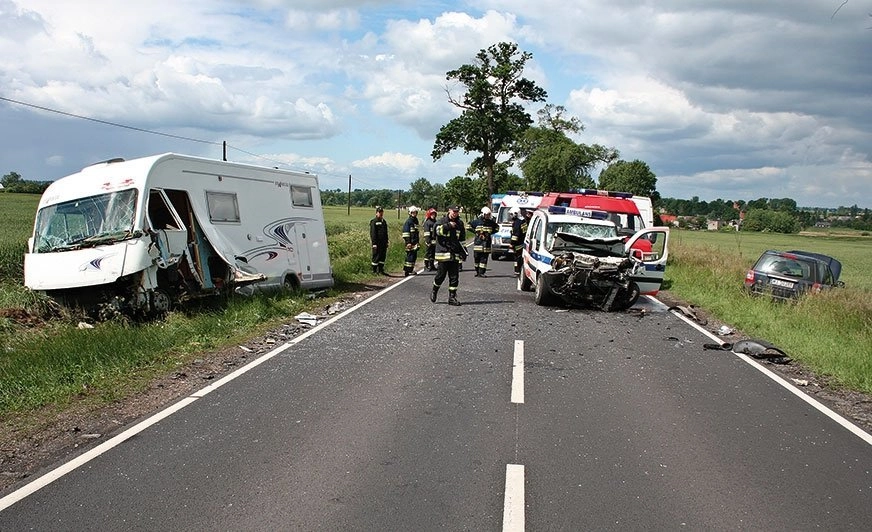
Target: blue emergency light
<point>583,213</point>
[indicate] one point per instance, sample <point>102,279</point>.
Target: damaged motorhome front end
<point>138,236</point>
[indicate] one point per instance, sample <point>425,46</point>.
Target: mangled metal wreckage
<point>601,276</point>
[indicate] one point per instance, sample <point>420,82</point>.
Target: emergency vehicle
<point>501,205</point>
<point>622,210</point>
<point>588,239</point>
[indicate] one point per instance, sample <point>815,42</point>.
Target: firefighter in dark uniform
<point>378,235</point>
<point>450,234</point>
<point>410,237</point>
<point>429,230</point>
<point>483,227</point>
<point>519,231</point>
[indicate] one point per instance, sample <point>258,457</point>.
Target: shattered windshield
<point>585,230</point>
<point>85,222</point>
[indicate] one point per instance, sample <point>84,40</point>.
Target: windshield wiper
<point>100,238</point>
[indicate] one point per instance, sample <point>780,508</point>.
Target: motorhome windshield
<point>85,222</point>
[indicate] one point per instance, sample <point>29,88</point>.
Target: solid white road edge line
<point>513,501</point>
<point>518,373</point>
<point>86,457</point>
<point>854,429</point>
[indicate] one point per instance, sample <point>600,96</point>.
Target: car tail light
<point>816,288</point>
<point>750,276</point>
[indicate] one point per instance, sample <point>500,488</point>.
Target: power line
<point>133,128</point>
<point>169,135</point>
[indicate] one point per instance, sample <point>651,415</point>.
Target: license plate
<point>780,283</point>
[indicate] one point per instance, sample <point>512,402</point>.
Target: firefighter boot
<point>433,294</point>
<point>374,268</point>
<point>452,300</point>
<point>381,269</point>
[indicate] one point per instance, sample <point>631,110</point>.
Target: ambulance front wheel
<point>544,297</point>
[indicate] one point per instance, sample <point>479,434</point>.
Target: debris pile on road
<point>759,349</point>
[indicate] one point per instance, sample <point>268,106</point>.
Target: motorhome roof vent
<point>109,161</point>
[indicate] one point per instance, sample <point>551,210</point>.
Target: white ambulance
<point>503,203</point>
<point>578,256</point>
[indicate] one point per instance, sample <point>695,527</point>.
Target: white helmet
<point>413,209</point>
<point>485,210</point>
<point>514,211</point>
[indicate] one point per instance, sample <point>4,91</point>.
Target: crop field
<point>16,222</point>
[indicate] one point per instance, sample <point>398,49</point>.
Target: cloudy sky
<point>736,99</point>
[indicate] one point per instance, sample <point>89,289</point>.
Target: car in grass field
<point>577,257</point>
<point>786,275</point>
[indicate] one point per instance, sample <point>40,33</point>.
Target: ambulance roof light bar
<point>584,213</point>
<point>523,193</point>
<point>597,192</point>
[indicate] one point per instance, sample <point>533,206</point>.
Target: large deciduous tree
<point>634,177</point>
<point>460,190</point>
<point>492,117</point>
<point>552,161</point>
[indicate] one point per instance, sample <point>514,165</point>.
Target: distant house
<point>715,225</point>
<point>1,186</point>
<point>669,219</point>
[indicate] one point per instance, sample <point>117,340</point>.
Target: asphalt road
<point>405,415</point>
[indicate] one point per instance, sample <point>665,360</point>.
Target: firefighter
<point>410,237</point>
<point>483,227</point>
<point>450,234</point>
<point>378,236</point>
<point>430,240</point>
<point>519,231</point>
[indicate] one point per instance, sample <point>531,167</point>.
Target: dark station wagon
<point>788,274</point>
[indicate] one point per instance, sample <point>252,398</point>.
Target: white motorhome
<point>136,236</point>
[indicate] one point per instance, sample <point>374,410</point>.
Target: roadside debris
<point>83,325</point>
<point>725,331</point>
<point>688,312</point>
<point>316,294</point>
<point>308,319</point>
<point>759,349</point>
<point>336,308</point>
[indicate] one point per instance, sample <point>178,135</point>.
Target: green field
<point>16,223</point>
<point>851,248</point>
<point>53,362</point>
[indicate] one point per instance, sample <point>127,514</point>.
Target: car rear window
<point>787,267</point>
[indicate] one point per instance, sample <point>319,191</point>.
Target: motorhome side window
<point>223,207</point>
<point>301,196</point>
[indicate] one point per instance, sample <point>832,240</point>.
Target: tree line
<point>13,182</point>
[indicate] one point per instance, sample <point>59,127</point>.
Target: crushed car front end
<point>586,280</point>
